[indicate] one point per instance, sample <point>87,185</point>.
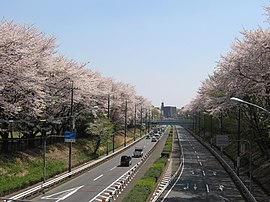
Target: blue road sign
<point>70,136</point>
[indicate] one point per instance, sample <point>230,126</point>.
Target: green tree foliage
<point>101,130</point>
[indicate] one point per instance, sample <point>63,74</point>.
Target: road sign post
<point>222,140</point>
<point>70,136</point>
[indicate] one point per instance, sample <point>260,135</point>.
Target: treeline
<point>243,73</point>
<point>43,93</point>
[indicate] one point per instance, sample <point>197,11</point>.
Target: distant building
<point>168,111</point>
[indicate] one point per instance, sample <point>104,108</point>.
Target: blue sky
<point>165,48</point>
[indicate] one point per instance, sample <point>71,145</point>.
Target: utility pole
<point>135,124</point>
<point>125,140</point>
<point>108,116</point>
<point>141,123</point>
<point>146,124</point>
<point>72,126</point>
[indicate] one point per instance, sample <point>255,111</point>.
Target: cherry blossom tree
<point>40,85</point>
<point>244,72</point>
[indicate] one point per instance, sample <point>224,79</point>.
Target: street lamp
<point>239,101</point>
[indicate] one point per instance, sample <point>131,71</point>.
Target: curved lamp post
<point>239,101</point>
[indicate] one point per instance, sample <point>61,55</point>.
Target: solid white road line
<point>113,167</point>
<point>98,177</point>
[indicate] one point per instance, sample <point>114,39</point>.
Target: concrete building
<point>168,111</point>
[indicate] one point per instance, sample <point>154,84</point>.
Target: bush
<point>141,190</point>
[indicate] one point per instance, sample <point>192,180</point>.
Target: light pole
<point>240,101</point>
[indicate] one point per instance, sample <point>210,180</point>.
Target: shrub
<point>141,190</point>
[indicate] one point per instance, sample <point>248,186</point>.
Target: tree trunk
<point>4,141</point>
<point>97,145</point>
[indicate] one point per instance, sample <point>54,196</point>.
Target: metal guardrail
<point>39,188</point>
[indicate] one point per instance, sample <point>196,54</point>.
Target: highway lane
<point>202,178</point>
<point>88,185</point>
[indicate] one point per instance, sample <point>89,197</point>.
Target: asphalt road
<point>86,186</point>
<point>202,178</point>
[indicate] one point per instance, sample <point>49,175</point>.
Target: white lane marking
<point>198,157</point>
<point>98,177</point>
<point>203,173</point>
<point>207,188</point>
<point>200,163</point>
<point>195,152</point>
<point>182,164</point>
<point>61,195</point>
<point>113,167</point>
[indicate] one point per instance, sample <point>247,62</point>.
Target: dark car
<point>125,161</point>
<point>154,139</point>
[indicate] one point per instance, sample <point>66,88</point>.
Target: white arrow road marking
<point>195,187</point>
<point>221,187</point>
<point>213,172</point>
<point>185,188</point>
<point>63,194</point>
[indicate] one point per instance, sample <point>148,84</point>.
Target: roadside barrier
<point>52,182</point>
<point>109,194</point>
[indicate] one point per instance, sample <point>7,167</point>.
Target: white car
<point>138,152</point>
